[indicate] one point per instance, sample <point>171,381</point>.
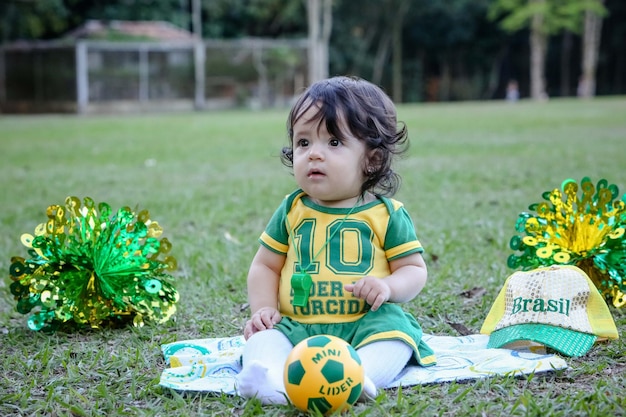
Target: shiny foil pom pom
<point>91,267</point>
<point>583,228</point>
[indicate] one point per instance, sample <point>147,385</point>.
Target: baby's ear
<point>375,161</point>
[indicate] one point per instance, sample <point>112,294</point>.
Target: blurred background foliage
<point>448,49</point>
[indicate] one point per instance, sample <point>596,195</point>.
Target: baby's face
<point>328,169</point>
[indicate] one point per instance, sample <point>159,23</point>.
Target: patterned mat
<point>211,365</point>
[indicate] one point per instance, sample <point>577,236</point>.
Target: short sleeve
<point>276,236</point>
<point>401,239</point>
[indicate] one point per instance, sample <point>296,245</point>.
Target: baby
<point>339,254</point>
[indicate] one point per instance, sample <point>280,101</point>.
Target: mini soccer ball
<point>323,373</point>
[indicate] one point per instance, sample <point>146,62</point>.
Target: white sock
<point>264,357</point>
<point>382,362</point>
<point>369,390</point>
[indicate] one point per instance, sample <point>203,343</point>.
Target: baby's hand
<point>263,319</point>
<point>374,291</point>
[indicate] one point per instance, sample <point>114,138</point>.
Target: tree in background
<point>456,48</point>
<point>228,19</point>
<point>590,49</point>
<point>545,18</point>
<point>320,20</point>
<point>417,49</point>
<point>370,40</point>
<point>20,19</point>
<point>49,19</point>
<point>401,11</point>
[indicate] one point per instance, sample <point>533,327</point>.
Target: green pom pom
<point>89,267</point>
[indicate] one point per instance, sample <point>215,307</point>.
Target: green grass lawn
<point>212,180</point>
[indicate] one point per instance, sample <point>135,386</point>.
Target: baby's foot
<point>254,381</point>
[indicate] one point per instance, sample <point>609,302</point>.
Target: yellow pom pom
<point>584,230</point>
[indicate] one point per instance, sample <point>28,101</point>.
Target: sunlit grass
<point>213,179</point>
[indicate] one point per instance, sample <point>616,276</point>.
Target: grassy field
<point>212,180</point>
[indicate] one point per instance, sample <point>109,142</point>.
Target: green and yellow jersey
<point>336,246</point>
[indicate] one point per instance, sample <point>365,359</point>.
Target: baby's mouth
<point>313,173</point>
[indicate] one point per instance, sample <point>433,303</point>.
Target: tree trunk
<point>566,54</point>
<point>199,56</point>
<point>445,78</point>
<point>396,51</point>
<point>261,69</point>
<point>319,13</point>
<point>396,63</point>
<point>380,60</point>
<point>538,50</point>
<point>590,48</point>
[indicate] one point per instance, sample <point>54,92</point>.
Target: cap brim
<point>568,342</point>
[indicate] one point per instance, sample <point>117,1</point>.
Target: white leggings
<point>382,361</point>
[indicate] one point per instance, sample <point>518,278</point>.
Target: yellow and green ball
<point>323,373</point>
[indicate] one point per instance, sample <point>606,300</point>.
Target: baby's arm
<point>408,277</point>
<point>263,279</point>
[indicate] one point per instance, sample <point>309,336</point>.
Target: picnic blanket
<point>211,365</point>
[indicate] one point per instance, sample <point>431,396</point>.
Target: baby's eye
<point>302,143</point>
<point>334,142</point>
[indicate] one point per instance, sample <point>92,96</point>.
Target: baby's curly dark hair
<point>370,116</point>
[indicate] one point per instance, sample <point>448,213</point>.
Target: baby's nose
<point>316,152</point>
